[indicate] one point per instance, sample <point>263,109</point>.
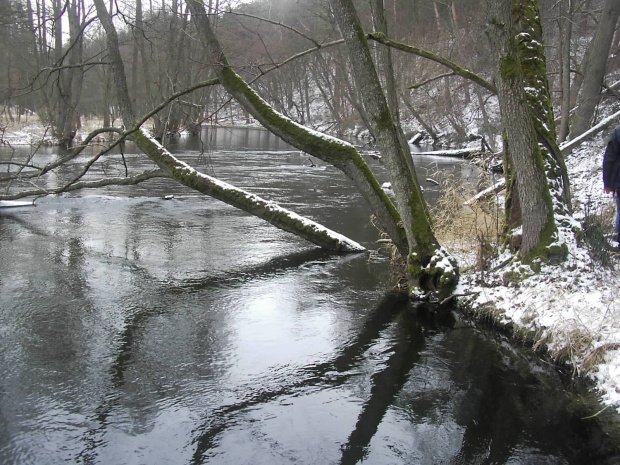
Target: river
<point>139,330</point>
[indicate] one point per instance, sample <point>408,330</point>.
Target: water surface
<point>138,330</point>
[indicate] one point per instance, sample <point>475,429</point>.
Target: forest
<point>56,63</point>
<point>522,76</point>
<point>326,293</point>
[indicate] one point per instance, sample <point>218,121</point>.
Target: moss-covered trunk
<point>329,149</point>
<point>539,178</point>
<point>188,176</point>
<point>427,269</point>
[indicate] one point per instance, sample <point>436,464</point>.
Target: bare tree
<point>588,88</point>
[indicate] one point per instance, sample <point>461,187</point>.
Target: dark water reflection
<point>136,330</point>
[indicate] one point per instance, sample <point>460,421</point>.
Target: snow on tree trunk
<point>329,149</point>
<point>250,203</point>
<point>539,170</point>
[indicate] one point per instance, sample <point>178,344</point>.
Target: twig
<point>597,413</point>
<point>447,299</point>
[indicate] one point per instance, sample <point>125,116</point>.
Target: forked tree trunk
<point>430,265</point>
<point>424,249</point>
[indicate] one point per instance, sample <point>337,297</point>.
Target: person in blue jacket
<point>611,174</point>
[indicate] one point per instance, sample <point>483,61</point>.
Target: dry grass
<point>596,229</point>
<point>597,356</point>
<point>470,228</point>
<point>399,266</point>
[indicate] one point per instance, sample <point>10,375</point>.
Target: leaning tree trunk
<point>430,265</point>
<point>331,150</point>
<point>188,176</point>
<point>426,269</point>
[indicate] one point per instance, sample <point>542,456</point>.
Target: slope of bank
<point>571,310</point>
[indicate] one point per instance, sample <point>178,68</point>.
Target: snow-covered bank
<point>572,309</point>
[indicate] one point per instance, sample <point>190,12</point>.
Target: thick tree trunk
<point>340,154</point>
<point>412,207</point>
<point>539,229</point>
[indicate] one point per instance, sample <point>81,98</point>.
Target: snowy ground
<point>573,310</point>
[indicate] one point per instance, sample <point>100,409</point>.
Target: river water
<point>138,330</point>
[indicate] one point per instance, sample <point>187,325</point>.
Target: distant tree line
<point>56,62</point>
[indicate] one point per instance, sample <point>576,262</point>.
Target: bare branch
<point>604,124</point>
<point>71,155</point>
<point>118,181</point>
<point>378,37</point>
<point>296,56</point>
<point>428,81</point>
<point>277,23</point>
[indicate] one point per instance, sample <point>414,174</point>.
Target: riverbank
<point>571,311</point>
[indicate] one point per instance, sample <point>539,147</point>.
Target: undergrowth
<point>469,228</point>
<point>597,230</point>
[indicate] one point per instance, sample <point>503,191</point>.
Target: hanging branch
<point>378,37</point>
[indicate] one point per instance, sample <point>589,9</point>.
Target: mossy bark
<point>268,211</point>
<point>515,33</point>
<point>427,271</point>
<point>188,176</point>
<point>331,150</point>
<point>534,67</point>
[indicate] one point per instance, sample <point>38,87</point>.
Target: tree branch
<point>118,181</point>
<point>71,155</point>
<point>604,124</point>
<point>276,23</point>
<point>378,37</point>
<point>429,80</point>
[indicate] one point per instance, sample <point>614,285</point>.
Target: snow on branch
<point>269,211</point>
<point>604,124</point>
<point>116,181</point>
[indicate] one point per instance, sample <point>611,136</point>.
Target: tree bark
<point>423,245</point>
<point>341,155</point>
<point>384,59</point>
<point>566,28</point>
<point>520,132</point>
